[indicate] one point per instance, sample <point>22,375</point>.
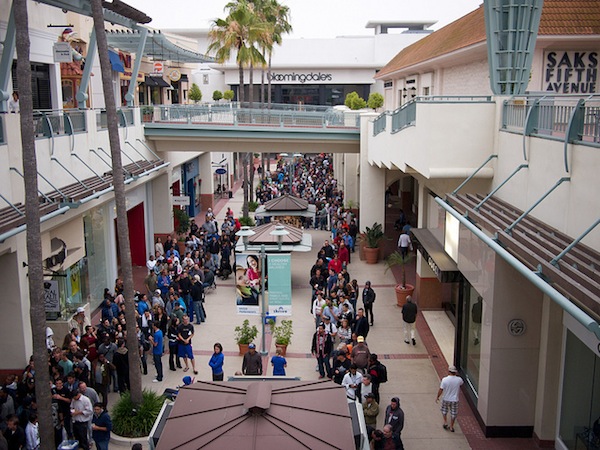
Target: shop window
<point>40,85</point>
<point>73,289</point>
<point>580,405</point>
<point>470,354</point>
<point>68,94</point>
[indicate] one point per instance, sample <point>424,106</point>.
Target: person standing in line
<point>172,333</point>
<point>157,339</point>
<point>279,363</point>
<point>404,243</point>
<point>391,440</point>
<point>185,335</point>
<point>81,412</point>
<point>32,433</point>
<point>352,381</point>
<point>409,317</point>
<point>13,103</point>
<point>321,348</point>
<point>216,362</point>
<point>394,417</point>
<point>252,363</point>
<point>370,409</point>
<point>449,389</point>
<point>101,427</point>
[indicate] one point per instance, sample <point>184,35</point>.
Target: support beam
<point>82,96</point>
<point>130,96</point>
<point>8,53</point>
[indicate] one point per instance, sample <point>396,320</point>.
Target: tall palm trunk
<point>251,85</point>
<point>119,185</point>
<point>269,82</point>
<point>245,173</point>
<point>35,274</point>
<point>241,89</point>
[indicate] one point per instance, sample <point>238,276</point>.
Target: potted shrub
<point>372,238</point>
<point>195,94</point>
<point>147,113</point>
<point>217,95</point>
<point>244,335</point>
<point>403,289</point>
<point>182,221</point>
<point>375,100</point>
<point>282,334</point>
<point>228,95</point>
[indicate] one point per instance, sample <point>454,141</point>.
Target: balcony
<point>438,137</point>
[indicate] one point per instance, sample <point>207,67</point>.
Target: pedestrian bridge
<point>228,128</point>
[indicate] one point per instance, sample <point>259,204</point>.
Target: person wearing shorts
<point>185,335</point>
<point>449,390</point>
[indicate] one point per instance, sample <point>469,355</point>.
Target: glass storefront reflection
<point>470,355</point>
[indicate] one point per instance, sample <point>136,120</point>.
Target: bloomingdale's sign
<point>301,77</point>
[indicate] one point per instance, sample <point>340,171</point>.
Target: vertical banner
<point>280,284</point>
<point>247,283</point>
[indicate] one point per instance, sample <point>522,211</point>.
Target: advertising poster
<point>247,283</point>
<point>280,284</point>
<point>51,298</point>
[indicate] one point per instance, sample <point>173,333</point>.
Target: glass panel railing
<point>405,116</point>
<point>379,124</point>
<point>101,120</point>
<point>78,120</point>
<point>2,138</point>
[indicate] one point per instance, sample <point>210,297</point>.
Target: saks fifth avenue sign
<point>571,72</point>
<point>301,77</point>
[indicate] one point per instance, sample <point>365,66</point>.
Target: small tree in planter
<point>372,237</point>
<point>182,221</point>
<point>375,100</point>
<point>244,335</point>
<point>217,95</point>
<point>228,95</point>
<point>282,334</point>
<point>147,113</point>
<point>403,289</point>
<point>195,94</point>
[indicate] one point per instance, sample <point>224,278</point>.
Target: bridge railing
<point>227,115</point>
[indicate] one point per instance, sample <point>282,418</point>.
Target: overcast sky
<point>312,18</point>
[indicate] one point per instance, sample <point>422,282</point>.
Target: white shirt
<point>84,405</point>
<point>32,436</point>
<point>450,386</point>
<point>404,240</point>
<point>349,380</point>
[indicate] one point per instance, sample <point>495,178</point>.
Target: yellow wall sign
<point>174,75</point>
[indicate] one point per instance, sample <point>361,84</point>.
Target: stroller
<point>224,269</point>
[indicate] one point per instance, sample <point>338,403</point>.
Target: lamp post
<point>280,232</point>
<point>245,232</point>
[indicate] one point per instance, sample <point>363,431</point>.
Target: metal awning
<point>156,82</point>
<point>433,252</point>
<point>115,61</point>
<point>157,46</point>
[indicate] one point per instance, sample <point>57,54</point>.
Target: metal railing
<point>101,120</point>
<point>551,115</point>
<point>2,138</point>
<point>404,116</point>
<point>49,123</point>
<point>211,114</point>
<point>379,123</point>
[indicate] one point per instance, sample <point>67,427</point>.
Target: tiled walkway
<point>415,371</point>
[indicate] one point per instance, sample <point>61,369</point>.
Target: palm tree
<point>278,16</point>
<point>239,32</point>
<point>37,308</point>
<point>121,208</point>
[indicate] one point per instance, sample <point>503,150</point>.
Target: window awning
<point>157,46</point>
<point>115,61</point>
<point>156,82</point>
<point>433,252</point>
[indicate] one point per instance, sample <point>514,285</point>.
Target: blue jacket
<point>216,363</point>
<point>103,420</point>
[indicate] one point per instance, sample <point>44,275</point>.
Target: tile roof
<point>559,17</point>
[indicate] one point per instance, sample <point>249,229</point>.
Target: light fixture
<point>245,232</point>
<point>280,232</point>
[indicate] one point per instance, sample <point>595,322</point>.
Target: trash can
<point>68,445</point>
<point>230,194</point>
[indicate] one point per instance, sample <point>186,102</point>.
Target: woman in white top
<point>13,103</point>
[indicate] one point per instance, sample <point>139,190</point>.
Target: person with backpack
<point>378,373</point>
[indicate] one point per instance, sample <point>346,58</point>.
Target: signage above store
<point>181,200</point>
<point>301,77</point>
<point>174,75</point>
<point>221,171</point>
<point>158,68</point>
<point>571,72</point>
<point>62,52</point>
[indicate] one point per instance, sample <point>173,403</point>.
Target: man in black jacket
<point>409,317</point>
<point>361,325</point>
<point>368,298</point>
<point>197,293</point>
